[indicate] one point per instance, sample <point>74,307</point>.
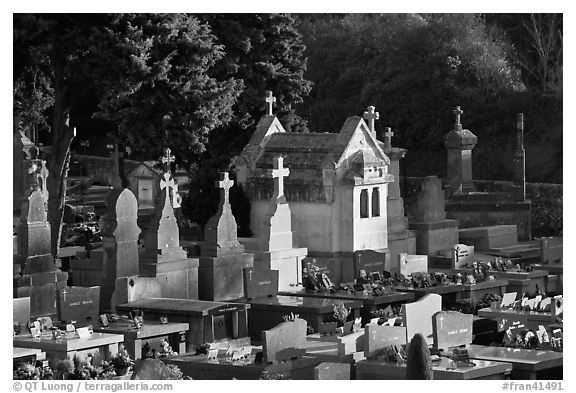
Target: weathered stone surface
<point>220,278</point>
<point>459,143</point>
<point>79,305</point>
<point>327,371</point>
<point>418,316</point>
<point>260,283</point>
<point>379,337</point>
<point>489,237</point>
<point>21,310</point>
<point>278,342</point>
<point>430,204</point>
<point>451,329</point>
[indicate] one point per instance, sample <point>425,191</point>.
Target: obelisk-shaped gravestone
<point>520,162</point>
<point>120,243</point>
<point>222,256</point>
<point>163,257</point>
<point>41,278</point>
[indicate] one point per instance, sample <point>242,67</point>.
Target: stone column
<point>520,162</point>
<point>459,143</point>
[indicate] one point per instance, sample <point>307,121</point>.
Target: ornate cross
<point>167,182</point>
<point>388,137</point>
<point>44,176</point>
<point>270,100</point>
<point>370,115</point>
<point>278,174</point>
<point>520,130</point>
<point>168,159</point>
<point>458,112</point>
<point>225,183</point>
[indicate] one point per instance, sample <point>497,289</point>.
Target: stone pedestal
<point>433,231</point>
<point>40,277</point>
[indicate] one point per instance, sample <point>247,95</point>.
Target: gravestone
<point>400,238</point>
<point>275,248</point>
<point>164,258</point>
<point>21,310</point>
<point>328,371</point>
<point>120,280</point>
<point>260,283</point>
<point>459,143</point>
<point>369,261</point>
<point>462,255</point>
<point>222,256</point>
<point>551,249</point>
<point>285,341</point>
<point>434,232</point>
<point>408,264</point>
<point>418,316</point>
<point>79,305</point>
<point>40,277</point>
<point>379,337</point>
<point>451,329</point>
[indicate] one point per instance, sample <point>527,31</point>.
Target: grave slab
<point>489,237</point>
<point>151,331</point>
<point>284,341</point>
<point>209,321</point>
<point>506,317</point>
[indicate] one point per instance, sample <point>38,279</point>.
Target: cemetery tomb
<point>209,321</point>
<point>451,329</point>
<point>418,316</point>
<point>285,341</point>
<point>151,333</point>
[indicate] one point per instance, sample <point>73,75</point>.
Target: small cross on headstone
<point>167,182</point>
<point>458,112</point>
<point>225,184</point>
<point>370,115</point>
<point>168,159</point>
<point>388,137</point>
<point>270,100</point>
<point>278,174</point>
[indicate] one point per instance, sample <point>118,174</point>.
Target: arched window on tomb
<point>376,202</point>
<point>364,203</point>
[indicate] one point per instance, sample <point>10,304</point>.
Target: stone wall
<point>547,201</point>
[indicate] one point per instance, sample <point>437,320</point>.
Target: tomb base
<point>178,279</point>
<point>339,266</point>
<point>42,288</point>
<point>220,278</point>
<point>435,236</point>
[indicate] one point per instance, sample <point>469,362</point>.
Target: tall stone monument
<point>400,238</point>
<point>459,142</point>
<point>520,161</point>
<point>277,250</point>
<point>36,273</point>
<point>163,257</point>
<point>222,256</point>
<point>433,231</point>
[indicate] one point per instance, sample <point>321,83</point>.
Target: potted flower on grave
<point>341,314</point>
<point>122,361</point>
<point>28,371</point>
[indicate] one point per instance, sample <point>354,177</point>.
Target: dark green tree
<point>150,74</point>
<point>419,365</point>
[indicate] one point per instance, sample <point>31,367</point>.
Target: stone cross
<point>270,100</point>
<point>44,176</point>
<point>278,174</point>
<point>458,112</point>
<point>520,130</point>
<point>168,159</point>
<point>167,182</point>
<point>225,184</point>
<point>370,115</point>
<point>388,137</point>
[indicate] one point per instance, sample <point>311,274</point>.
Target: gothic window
<point>364,203</point>
<point>376,202</point>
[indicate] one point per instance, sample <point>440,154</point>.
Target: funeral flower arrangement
<point>82,369</point>
<point>27,371</point>
<point>122,360</point>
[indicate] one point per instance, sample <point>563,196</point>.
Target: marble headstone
<point>79,305</point>
<point>418,316</point>
<point>284,341</point>
<point>462,255</point>
<point>451,329</point>
<point>379,337</point>
<point>260,283</point>
<point>409,264</point>
<point>369,261</point>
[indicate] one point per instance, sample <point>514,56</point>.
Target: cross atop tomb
<point>168,183</point>
<point>370,116</point>
<point>278,174</point>
<point>270,100</point>
<point>388,137</point>
<point>168,159</point>
<point>225,184</point>
<point>458,112</point>
<point>520,130</point>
